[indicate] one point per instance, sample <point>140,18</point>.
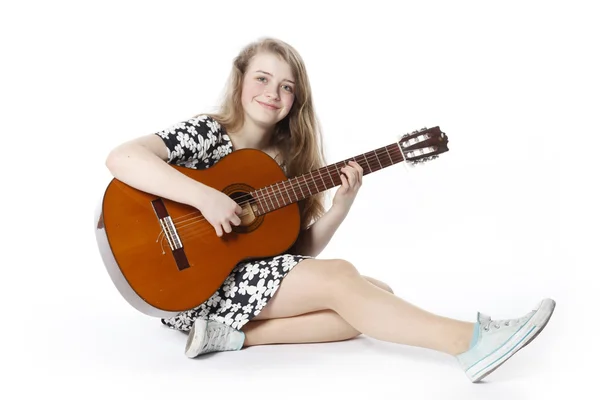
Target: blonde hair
<point>298,135</point>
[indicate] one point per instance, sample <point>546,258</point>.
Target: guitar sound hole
<point>249,220</point>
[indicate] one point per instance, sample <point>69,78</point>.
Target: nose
<point>271,94</point>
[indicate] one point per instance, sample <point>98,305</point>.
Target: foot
<point>210,336</point>
<point>494,342</point>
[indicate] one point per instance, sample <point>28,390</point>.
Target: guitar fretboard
<point>300,187</point>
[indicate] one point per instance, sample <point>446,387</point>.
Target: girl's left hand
<point>351,181</point>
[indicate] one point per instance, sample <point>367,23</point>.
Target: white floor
<point>91,344</point>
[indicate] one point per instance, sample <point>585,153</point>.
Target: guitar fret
<point>354,159</point>
<point>380,166</point>
<point>267,199</point>
<point>332,181</point>
<point>388,153</point>
<point>300,187</point>
<point>293,190</point>
<point>261,200</point>
<point>395,154</point>
<point>315,183</point>
<point>270,199</point>
<point>276,190</point>
<point>367,161</point>
<point>276,199</point>
<point>307,185</point>
<point>286,191</point>
<point>322,180</point>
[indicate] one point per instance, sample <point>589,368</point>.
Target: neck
<point>252,136</point>
<point>300,187</point>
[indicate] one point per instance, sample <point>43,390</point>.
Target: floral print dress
<point>199,143</point>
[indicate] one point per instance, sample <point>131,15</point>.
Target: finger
<point>357,166</point>
<point>350,173</point>
<point>354,165</point>
<point>236,220</point>
<point>346,171</point>
<point>226,227</point>
<point>238,209</point>
<point>359,171</point>
<point>218,230</point>
<point>344,181</point>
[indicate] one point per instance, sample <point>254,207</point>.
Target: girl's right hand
<point>219,210</point>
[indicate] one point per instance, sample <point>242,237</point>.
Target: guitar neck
<point>301,187</point>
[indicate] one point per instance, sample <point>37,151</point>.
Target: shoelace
<point>506,322</point>
<point>216,338</point>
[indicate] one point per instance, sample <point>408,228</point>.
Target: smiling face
<point>268,90</point>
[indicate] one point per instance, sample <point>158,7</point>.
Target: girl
<point>294,297</point>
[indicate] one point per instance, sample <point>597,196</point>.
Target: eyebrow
<point>266,73</point>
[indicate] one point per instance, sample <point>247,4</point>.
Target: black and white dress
<point>200,143</point>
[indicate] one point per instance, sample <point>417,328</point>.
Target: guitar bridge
<point>170,232</point>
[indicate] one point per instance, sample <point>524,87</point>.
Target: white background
<point>502,220</point>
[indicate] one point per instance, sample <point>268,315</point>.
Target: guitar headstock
<point>423,145</point>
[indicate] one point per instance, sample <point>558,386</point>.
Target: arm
<point>313,240</point>
<point>141,163</point>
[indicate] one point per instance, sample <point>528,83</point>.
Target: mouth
<point>267,106</point>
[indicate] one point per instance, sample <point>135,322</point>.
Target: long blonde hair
<point>298,135</point>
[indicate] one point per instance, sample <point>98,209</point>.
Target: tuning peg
<point>423,160</point>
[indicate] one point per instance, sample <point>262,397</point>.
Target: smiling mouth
<point>270,107</point>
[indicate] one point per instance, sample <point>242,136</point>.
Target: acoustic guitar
<point>164,257</point>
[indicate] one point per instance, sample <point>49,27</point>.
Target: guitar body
<point>161,282</point>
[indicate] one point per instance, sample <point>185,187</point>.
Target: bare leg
<point>317,285</point>
<point>314,327</point>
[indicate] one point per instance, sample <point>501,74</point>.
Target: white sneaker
<point>210,336</point>
<point>496,341</point>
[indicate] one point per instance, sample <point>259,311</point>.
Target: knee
<point>379,284</point>
<point>386,287</point>
<point>339,269</point>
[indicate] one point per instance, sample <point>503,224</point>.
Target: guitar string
<point>260,197</point>
<point>293,185</point>
<point>299,185</point>
<point>195,229</point>
<point>192,227</point>
<point>278,193</point>
<point>192,224</point>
